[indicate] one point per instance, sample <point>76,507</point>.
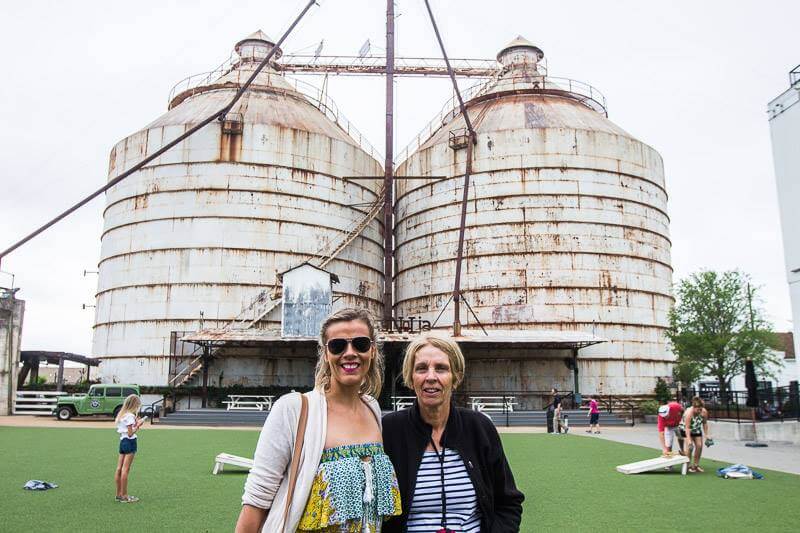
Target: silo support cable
<point>219,115</point>
<point>457,294</point>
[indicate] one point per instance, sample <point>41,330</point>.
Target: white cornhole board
<point>654,464</point>
<point>228,459</point>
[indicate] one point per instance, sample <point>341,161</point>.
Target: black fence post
<point>794,398</point>
<point>738,419</point>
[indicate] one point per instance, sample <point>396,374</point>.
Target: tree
<point>662,392</point>
<point>716,325</point>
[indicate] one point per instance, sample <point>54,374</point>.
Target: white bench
<point>493,403</point>
<point>242,402</point>
<point>402,402</point>
<point>227,459</point>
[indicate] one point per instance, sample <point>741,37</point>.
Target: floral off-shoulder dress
<point>354,491</point>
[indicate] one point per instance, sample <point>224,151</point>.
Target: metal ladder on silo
<point>264,302</point>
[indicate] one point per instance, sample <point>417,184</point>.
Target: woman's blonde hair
<point>698,403</point>
<point>131,405</point>
<point>449,347</point>
<point>373,382</point>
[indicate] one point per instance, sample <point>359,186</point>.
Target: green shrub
<point>649,407</point>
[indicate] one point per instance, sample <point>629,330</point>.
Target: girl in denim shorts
<point>128,423</point>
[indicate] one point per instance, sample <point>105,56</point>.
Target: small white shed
<point>307,300</point>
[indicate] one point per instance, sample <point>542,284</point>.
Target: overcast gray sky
<point>692,79</point>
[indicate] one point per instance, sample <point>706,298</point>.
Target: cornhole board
<point>658,463</point>
<point>228,459</point>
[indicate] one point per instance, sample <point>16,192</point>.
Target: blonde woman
<point>695,429</point>
<point>128,424</point>
<point>344,482</point>
<point>451,468</point>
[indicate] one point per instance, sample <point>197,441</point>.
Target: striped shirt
<point>425,514</point>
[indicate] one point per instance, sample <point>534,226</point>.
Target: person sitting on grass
<point>128,423</point>
<point>695,419</point>
<point>669,418</point>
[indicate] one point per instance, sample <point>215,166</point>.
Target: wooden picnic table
<point>402,402</point>
<point>249,402</point>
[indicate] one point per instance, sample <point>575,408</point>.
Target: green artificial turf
<point>569,482</point>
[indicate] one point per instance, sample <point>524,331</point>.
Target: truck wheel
<point>116,411</point>
<point>64,413</point>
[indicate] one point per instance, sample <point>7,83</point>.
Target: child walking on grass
<point>128,423</point>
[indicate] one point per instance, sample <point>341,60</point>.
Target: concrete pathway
<point>96,422</point>
<point>783,457</point>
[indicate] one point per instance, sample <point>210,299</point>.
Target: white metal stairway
<point>266,300</point>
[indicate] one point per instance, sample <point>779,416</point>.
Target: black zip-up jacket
<point>474,437</point>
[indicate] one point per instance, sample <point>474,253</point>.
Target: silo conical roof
<point>520,42</point>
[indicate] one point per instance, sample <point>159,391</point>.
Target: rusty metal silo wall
<point>212,222</point>
<point>566,229</point>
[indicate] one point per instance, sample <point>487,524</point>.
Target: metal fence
<point>511,401</point>
<point>774,404</point>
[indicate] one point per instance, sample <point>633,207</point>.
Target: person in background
<point>594,417</point>
<point>128,423</point>
<point>695,426</point>
<point>669,418</point>
<point>556,407</point>
<point>451,467</point>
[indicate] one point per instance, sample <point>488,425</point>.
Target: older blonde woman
<point>344,480</point>
<point>451,468</point>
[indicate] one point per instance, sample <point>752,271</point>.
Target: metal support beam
<point>460,253</point>
<point>388,182</point>
<point>60,376</point>
<point>467,171</point>
<point>217,115</point>
<point>376,66</point>
<point>575,377</point>
<point>206,360</point>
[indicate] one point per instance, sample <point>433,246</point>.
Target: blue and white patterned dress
<point>354,490</point>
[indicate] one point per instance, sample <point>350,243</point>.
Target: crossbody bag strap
<point>298,449</point>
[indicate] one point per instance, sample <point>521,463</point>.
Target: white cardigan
<point>268,482</point>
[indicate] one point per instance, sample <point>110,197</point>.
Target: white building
<point>781,374</point>
<point>784,121</point>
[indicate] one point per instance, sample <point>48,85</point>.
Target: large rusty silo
<point>213,221</point>
<point>566,228</point>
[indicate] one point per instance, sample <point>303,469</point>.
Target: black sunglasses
<point>359,344</point>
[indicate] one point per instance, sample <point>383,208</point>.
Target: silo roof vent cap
<point>256,46</point>
<point>520,50</point>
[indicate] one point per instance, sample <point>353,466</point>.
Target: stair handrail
<point>329,253</point>
<point>609,400</point>
<point>324,257</point>
<point>183,370</point>
<point>155,413</point>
